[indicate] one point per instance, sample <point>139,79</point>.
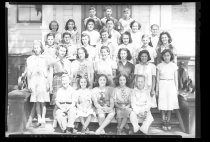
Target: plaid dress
<point>59,68</point>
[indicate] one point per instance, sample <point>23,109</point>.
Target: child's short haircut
<point>146,35</point>
<point>154,25</point>
<point>105,47</point>
<point>108,7</point>
<point>84,35</point>
<point>138,76</point>
<point>126,10</point>
<point>134,21</point>
<point>50,34</point>
<point>92,8</point>
<point>66,33</point>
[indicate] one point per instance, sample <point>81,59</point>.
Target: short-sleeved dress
<point>122,96</point>
<point>38,78</point>
<point>168,95</point>
<point>103,99</point>
<point>148,70</point>
<point>84,99</point>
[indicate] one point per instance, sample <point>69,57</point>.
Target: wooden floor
<point>110,130</point>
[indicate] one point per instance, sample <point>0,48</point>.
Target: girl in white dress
<point>84,104</point>
<point>167,87</point>
<point>149,71</point>
<point>38,83</point>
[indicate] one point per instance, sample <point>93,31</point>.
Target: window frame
<point>27,21</point>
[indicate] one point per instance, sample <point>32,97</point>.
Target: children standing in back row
<point>125,20</point>
<point>108,12</point>
<point>92,15</point>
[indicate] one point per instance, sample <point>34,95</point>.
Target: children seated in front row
<point>84,104</point>
<point>122,100</point>
<point>104,103</point>
<point>140,103</point>
<point>65,102</point>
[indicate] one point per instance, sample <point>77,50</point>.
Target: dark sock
<point>70,129</point>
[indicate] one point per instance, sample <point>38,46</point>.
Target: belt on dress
<point>65,102</point>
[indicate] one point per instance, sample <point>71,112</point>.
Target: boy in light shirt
<point>65,102</point>
<point>140,103</point>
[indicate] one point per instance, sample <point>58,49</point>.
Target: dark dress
<point>128,70</point>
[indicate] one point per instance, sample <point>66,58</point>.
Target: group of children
<point>111,70</point>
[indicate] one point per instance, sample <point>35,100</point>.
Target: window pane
<point>24,14</point>
<point>35,15</point>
